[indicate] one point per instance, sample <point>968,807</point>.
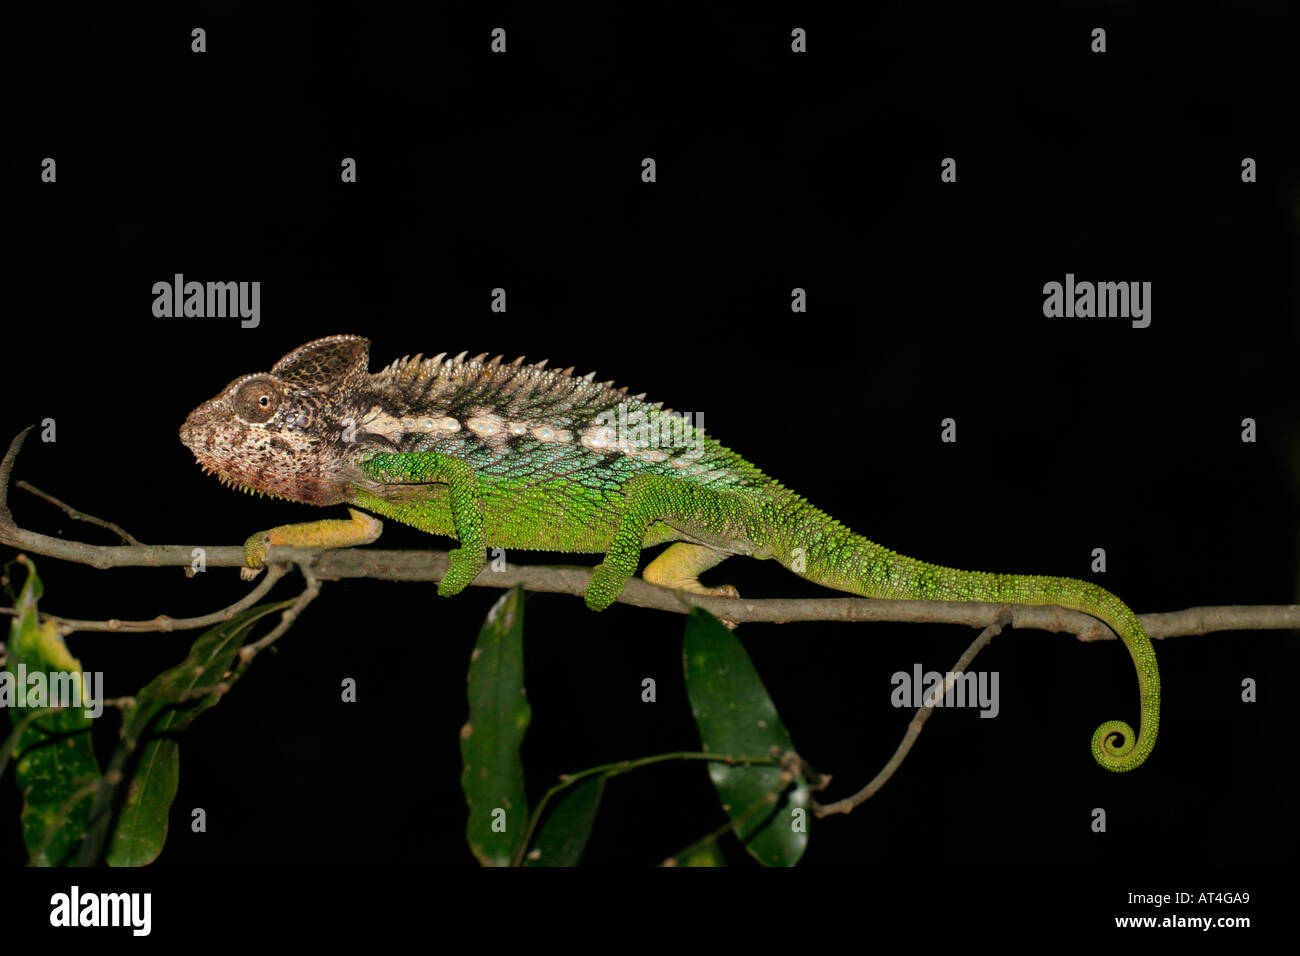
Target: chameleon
<point>519,456</point>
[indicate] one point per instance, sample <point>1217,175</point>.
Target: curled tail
<point>838,558</point>
<point>1100,603</point>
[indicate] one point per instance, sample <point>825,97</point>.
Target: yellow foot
<point>359,529</point>
<point>680,567</point>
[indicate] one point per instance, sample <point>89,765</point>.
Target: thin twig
<point>918,721</point>
<point>290,614</point>
<point>7,466</point>
<point>163,622</point>
<point>250,651</point>
<point>78,515</point>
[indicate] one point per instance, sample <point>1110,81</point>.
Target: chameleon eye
<point>256,401</point>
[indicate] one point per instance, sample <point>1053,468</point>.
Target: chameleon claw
<point>726,591</point>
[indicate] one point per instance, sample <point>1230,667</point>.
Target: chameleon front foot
<point>360,529</point>
<point>256,548</point>
<point>605,586</point>
<point>463,566</point>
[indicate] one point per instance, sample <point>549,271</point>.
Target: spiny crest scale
<point>418,379</point>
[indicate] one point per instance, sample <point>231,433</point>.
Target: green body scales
<point>515,456</point>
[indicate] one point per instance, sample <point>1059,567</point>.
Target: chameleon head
<point>280,432</point>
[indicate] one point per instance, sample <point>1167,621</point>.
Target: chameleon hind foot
<point>680,567</point>
<point>607,583</point>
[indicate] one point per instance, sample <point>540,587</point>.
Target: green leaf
<point>55,755</point>
<point>706,854</point>
<point>492,774</point>
<point>735,716</point>
<point>162,711</point>
<point>564,835</point>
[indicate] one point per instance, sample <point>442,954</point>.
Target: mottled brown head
<point>279,432</point>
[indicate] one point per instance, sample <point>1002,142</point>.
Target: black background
<point>775,170</point>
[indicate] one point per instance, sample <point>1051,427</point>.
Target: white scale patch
<point>603,437</point>
<point>487,426</point>
<point>393,427</point>
<point>492,427</point>
<point>548,434</point>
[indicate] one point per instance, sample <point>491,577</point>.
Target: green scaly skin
<point>514,456</point>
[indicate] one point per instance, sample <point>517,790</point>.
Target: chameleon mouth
<point>231,482</point>
<point>301,489</point>
<point>192,438</point>
<point>251,469</point>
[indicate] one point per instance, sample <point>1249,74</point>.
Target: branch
<point>918,722</point>
<point>560,579</point>
<point>78,515</point>
<point>163,622</point>
<point>290,614</point>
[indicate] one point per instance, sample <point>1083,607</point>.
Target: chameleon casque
<point>509,455</point>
